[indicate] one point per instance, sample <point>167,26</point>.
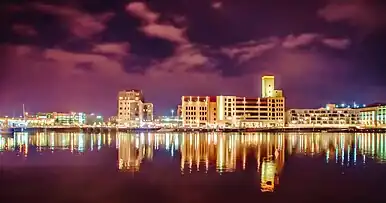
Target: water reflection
<point>211,152</point>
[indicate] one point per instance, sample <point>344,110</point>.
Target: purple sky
<point>76,55</point>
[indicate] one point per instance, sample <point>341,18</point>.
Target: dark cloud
<point>366,14</point>
<point>81,53</point>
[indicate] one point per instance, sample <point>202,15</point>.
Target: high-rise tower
<point>267,86</point>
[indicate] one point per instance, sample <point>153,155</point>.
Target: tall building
<point>221,111</point>
<point>132,108</point>
<point>267,86</point>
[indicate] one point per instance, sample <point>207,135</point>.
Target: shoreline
<point>169,130</point>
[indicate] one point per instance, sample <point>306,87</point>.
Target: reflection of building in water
<point>226,153</point>
<point>132,150</point>
<point>197,151</point>
<point>340,147</point>
<point>19,142</point>
<point>75,142</point>
<point>214,151</point>
<point>268,173</point>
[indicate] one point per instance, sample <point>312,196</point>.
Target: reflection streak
<point>217,152</point>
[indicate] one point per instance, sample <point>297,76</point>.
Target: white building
<point>373,116</point>
<point>329,117</point>
<point>132,110</point>
<point>234,111</point>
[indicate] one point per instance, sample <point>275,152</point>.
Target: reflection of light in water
<point>167,145</point>
<point>52,141</point>
<point>2,143</point>
<point>268,170</point>
<point>176,144</point>
<point>222,151</point>
<point>81,142</point>
<point>99,141</point>
<point>92,143</point>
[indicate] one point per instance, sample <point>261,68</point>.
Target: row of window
<point>321,119</point>
<point>316,111</point>
<point>324,115</point>
<point>195,118</point>
<point>128,114</point>
<point>193,108</point>
<point>327,122</point>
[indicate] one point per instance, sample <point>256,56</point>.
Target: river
<point>193,167</point>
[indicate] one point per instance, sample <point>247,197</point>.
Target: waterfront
<point>193,167</point>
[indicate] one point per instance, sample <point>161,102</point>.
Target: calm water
<point>192,167</point>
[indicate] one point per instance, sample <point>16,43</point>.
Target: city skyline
<point>72,56</point>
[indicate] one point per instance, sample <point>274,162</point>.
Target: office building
<point>329,116</point>
<point>132,109</point>
<point>234,111</point>
<point>373,115</point>
<point>260,112</point>
<point>195,111</point>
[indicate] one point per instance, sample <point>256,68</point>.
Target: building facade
<point>260,112</point>
<point>234,111</point>
<point>373,116</point>
<point>132,109</point>
<point>330,116</point>
<point>267,86</point>
<point>195,111</point>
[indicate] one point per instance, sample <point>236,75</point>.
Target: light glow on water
<point>206,152</point>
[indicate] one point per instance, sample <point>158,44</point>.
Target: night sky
<point>72,55</point>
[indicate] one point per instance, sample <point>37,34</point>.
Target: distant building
<point>132,109</point>
<point>330,116</point>
<point>94,119</point>
<point>179,110</point>
<point>113,120</point>
<point>373,115</point>
<point>148,110</point>
<point>168,121</point>
<point>234,111</point>
<point>72,118</point>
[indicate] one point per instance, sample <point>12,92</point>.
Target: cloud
<point>186,58</point>
<point>337,43</point>
<point>153,28</point>
<point>80,24</point>
<point>120,49</point>
<point>90,82</point>
<point>167,32</point>
<point>361,13</point>
<point>217,5</point>
<point>249,50</point>
<point>24,30</point>
<point>140,10</point>
<point>292,41</point>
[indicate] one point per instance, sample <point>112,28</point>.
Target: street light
<point>172,112</point>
